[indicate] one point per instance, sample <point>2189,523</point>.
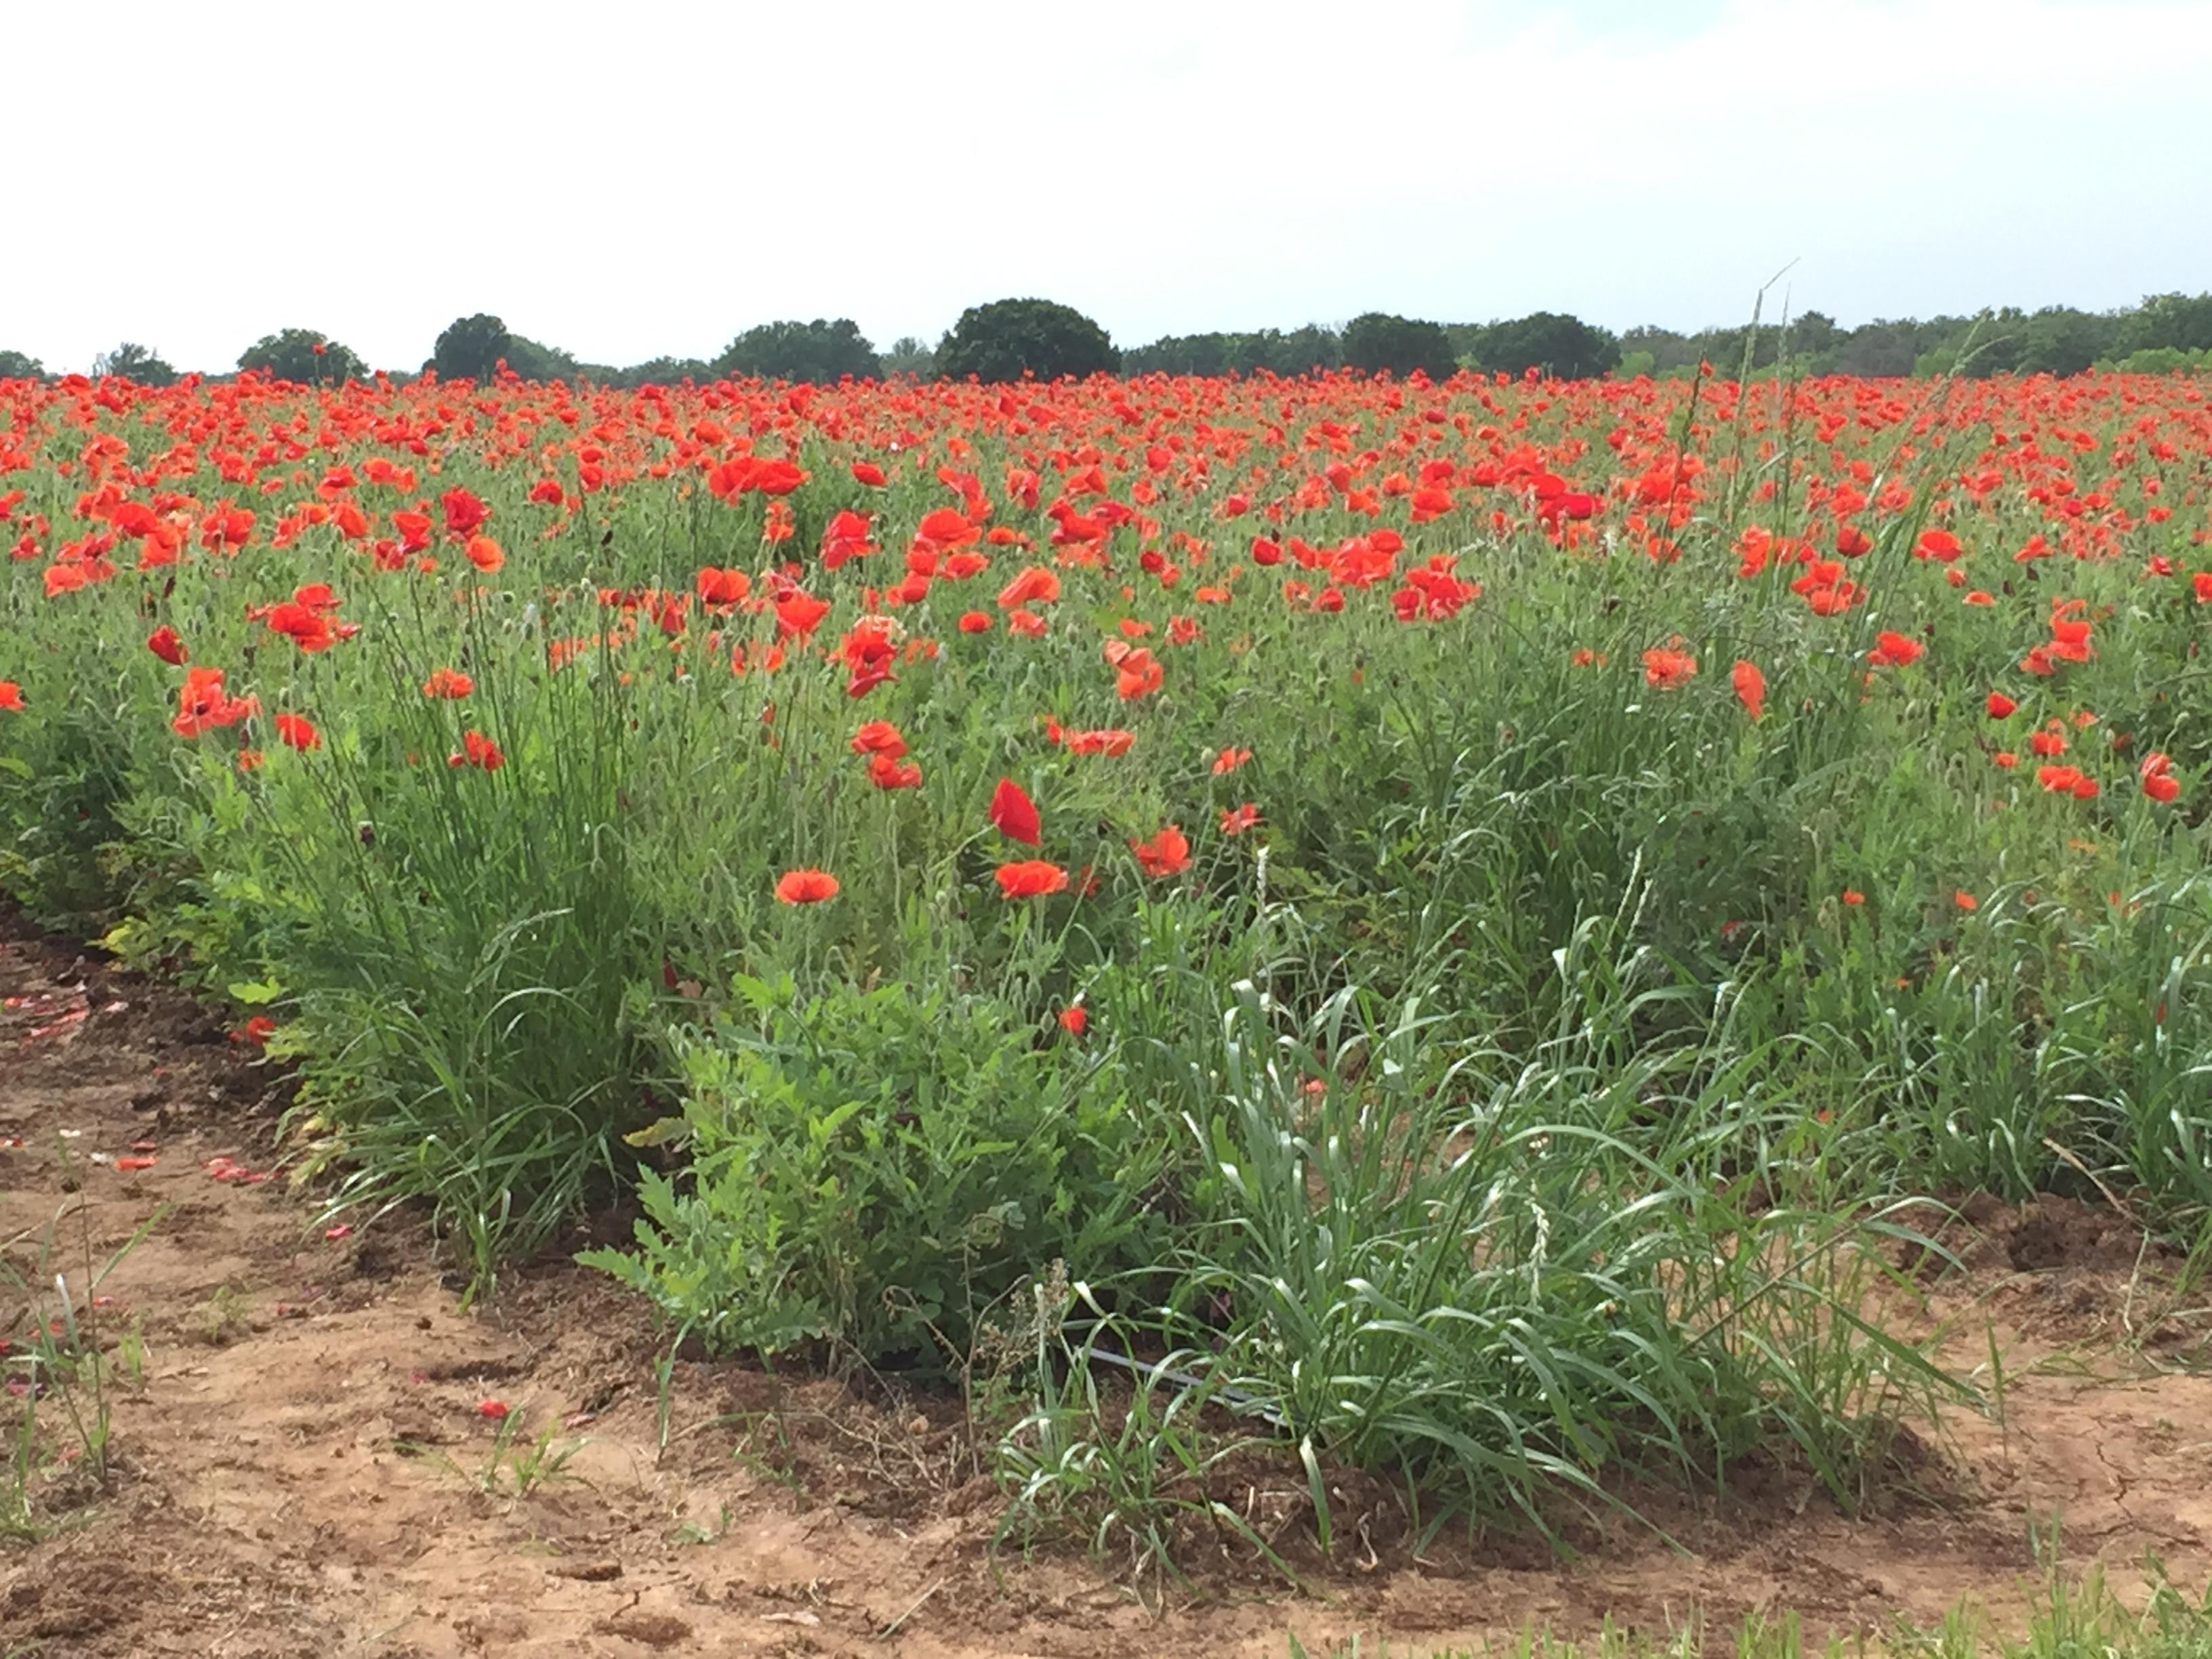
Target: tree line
<point>1008,339</point>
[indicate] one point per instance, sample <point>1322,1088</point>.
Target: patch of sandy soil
<point>302,1470</point>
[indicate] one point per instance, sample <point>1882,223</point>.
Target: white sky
<point>626,180</point>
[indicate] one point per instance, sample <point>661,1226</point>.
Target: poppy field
<point>1453,916</point>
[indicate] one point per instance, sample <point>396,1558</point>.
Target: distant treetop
<point>1010,338</point>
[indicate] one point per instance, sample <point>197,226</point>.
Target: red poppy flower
<point>879,738</point>
<point>889,772</point>
<point>464,511</point>
<point>1031,879</point>
<point>478,751</point>
<point>1074,1020</point>
<point>486,553</point>
<point>1895,650</point>
<point>718,586</point>
<point>1229,760</point>
<point>11,696</point>
<point>164,643</point>
<point>1750,688</point>
<point>449,683</point>
<point>1236,820</point>
<point>976,621</point>
<point>1667,668</point>
<point>1014,815</point>
<point>2156,774</point>
<point>1165,854</point>
<point>867,472</point>
<point>2000,706</point>
<point>298,732</point>
<point>1034,586</point>
<point>806,887</point>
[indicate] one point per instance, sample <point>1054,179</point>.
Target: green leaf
<point>659,1132</point>
<point>254,991</point>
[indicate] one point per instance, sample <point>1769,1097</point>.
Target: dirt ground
<point>301,1470</point>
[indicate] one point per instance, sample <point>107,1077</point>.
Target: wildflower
<point>1013,814</point>
<point>463,512</point>
<point>493,1409</point>
<point>485,554</point>
<point>1893,650</point>
<point>976,621</point>
<point>1074,1020</point>
<point>1853,896</point>
<point>1750,688</point>
<point>203,705</point>
<point>11,696</point>
<point>449,683</point>
<point>1031,879</point>
<point>1034,586</point>
<point>477,751</point>
<point>1229,760</point>
<point>888,772</point>
<point>2156,775</point>
<point>164,643</point>
<point>1165,854</point>
<point>1236,820</point>
<point>879,738</point>
<point>1667,668</point>
<point>1965,900</point>
<point>868,473</point>
<point>718,586</point>
<point>298,732</point>
<point>2000,706</point>
<point>806,887</point>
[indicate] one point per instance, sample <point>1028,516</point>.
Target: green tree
<point>2175,322</point>
<point>1297,352</point>
<point>17,366</point>
<point>1180,354</point>
<point>1399,345</point>
<point>660,371</point>
<point>303,356</point>
<point>471,348</point>
<point>821,352</point>
<point>1009,338</point>
<point>1880,348</point>
<point>534,361</point>
<point>1549,340</point>
<point>133,361</point>
<point>911,358</point>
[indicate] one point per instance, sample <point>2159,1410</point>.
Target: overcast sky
<point>624,181</point>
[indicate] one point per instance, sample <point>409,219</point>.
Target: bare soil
<point>300,1471</point>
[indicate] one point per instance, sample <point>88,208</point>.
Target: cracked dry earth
<point>298,1469</point>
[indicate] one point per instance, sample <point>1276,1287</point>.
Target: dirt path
<point>301,1470</point>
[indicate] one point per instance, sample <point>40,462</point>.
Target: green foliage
<point>472,348</point>
<point>661,371</point>
<point>819,353</point>
<point>305,356</point>
<point>1378,342</point>
<point>874,1167</point>
<point>19,366</point>
<point>1566,347</point>
<point>909,357</point>
<point>2173,322</point>
<point>1268,350</point>
<point>133,361</point>
<point>1010,339</point>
